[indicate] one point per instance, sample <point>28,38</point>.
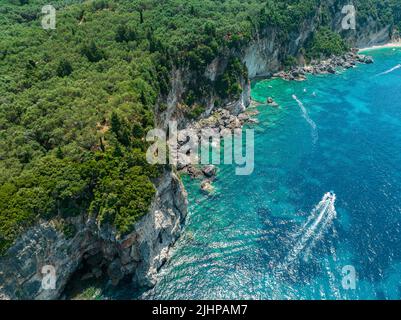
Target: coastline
<point>222,119</point>
<point>330,65</point>
<point>230,216</point>
<point>378,47</point>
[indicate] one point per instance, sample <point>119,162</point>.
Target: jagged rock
<point>369,60</point>
<point>234,123</point>
<point>331,70</point>
<point>243,117</point>
<point>209,170</point>
<point>181,164</point>
<point>254,121</point>
<point>346,61</point>
<point>225,114</point>
<point>115,272</point>
<point>360,58</point>
<point>308,69</point>
<point>182,137</point>
<point>194,171</point>
<point>298,73</point>
<point>231,119</point>
<point>364,59</point>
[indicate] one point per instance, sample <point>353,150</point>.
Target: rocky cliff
<point>140,254</point>
<point>265,54</point>
<point>180,81</point>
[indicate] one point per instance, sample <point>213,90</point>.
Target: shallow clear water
<point>265,236</point>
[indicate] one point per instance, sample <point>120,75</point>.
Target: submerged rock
<point>206,186</point>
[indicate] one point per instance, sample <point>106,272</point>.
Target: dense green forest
<point>77,101</point>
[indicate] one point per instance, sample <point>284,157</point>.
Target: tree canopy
<point>76,102</point>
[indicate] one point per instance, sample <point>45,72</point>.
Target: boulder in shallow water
<point>271,102</point>
<point>364,59</point>
<point>368,60</point>
<point>194,171</point>
<point>331,70</point>
<point>209,170</point>
<point>348,65</point>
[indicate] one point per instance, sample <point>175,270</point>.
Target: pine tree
<point>64,68</point>
<point>59,153</point>
<point>115,124</point>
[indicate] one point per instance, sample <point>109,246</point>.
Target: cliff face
<point>181,80</point>
<point>264,55</point>
<point>140,254</point>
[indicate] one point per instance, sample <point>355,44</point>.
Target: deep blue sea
<point>277,234</point>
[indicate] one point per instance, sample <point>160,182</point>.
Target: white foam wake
<point>398,66</point>
<point>318,222</point>
<point>307,118</point>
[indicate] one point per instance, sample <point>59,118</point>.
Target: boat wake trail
<point>305,114</point>
<point>320,219</point>
<point>398,66</point>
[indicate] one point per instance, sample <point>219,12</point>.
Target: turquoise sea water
<point>269,235</point>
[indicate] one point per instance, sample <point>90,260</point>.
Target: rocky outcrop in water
<point>209,171</point>
<point>221,122</point>
<point>328,66</point>
<point>270,101</point>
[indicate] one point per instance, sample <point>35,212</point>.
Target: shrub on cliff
<point>325,43</point>
<point>227,85</point>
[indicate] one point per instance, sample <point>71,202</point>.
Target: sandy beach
<point>387,45</point>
